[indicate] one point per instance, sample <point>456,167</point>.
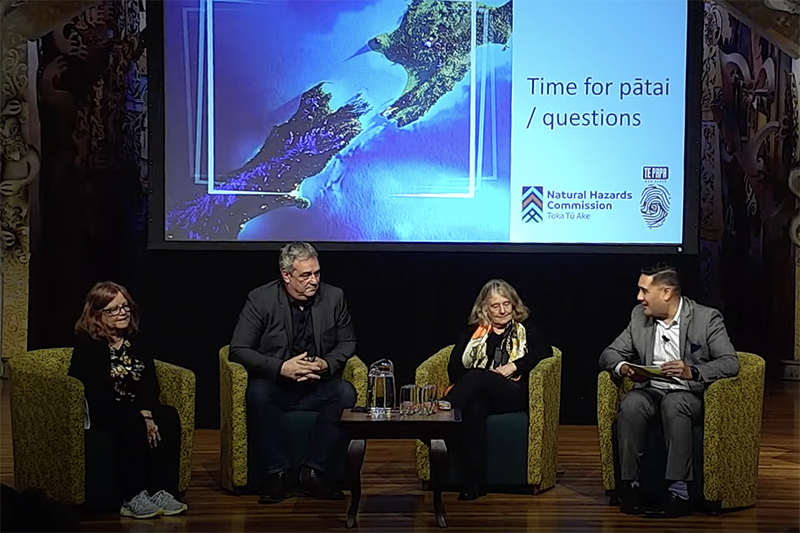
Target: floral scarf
<point>514,343</point>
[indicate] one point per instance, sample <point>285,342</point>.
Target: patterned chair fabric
<point>544,405</point>
<point>731,432</point>
<point>233,415</point>
<point>47,411</point>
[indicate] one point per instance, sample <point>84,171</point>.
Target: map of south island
<point>293,151</point>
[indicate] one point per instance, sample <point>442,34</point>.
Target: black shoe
<point>631,499</point>
<point>472,491</point>
<point>672,506</point>
<point>314,485</point>
<point>275,488</point>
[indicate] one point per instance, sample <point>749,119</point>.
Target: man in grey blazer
<point>688,341</point>
<point>294,337</point>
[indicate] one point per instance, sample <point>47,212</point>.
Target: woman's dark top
<point>538,349</point>
<point>114,380</point>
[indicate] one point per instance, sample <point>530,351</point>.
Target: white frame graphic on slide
<point>205,75</point>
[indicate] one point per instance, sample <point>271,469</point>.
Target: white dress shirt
<point>666,348</point>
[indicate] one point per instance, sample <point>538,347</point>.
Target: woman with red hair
<point>121,394</point>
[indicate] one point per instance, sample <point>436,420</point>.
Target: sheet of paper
<point>652,372</point>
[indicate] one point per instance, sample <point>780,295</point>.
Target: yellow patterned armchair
<point>47,412</point>
<point>726,444</point>
<point>522,447</point>
<point>233,456</point>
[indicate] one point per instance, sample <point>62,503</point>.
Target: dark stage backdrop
<point>405,306</point>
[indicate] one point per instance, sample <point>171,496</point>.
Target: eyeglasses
<point>115,311</point>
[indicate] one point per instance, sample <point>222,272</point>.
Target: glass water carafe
<point>381,389</point>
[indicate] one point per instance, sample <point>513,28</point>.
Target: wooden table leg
<point>355,459</point>
<point>439,471</point>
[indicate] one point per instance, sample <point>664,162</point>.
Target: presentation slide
<point>532,121</point>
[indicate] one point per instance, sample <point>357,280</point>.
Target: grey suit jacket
<point>262,340</point>
<point>704,344</point>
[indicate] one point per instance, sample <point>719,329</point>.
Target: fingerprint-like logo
<point>654,205</point>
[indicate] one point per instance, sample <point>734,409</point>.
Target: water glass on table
<point>427,400</point>
<point>408,399</point>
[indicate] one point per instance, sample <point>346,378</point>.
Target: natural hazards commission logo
<point>654,205</point>
<point>532,203</point>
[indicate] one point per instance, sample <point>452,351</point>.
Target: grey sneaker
<point>139,506</point>
<point>167,504</point>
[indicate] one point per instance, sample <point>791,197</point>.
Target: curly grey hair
<point>296,251</point>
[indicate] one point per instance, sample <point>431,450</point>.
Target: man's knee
<point>259,392</point>
<point>347,394</point>
<point>679,403</point>
<point>635,406</point>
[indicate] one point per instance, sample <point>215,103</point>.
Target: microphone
<point>664,338</point>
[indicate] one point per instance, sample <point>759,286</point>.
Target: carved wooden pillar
<point>792,371</point>
<point>794,225</point>
<point>19,167</point>
<point>20,22</point>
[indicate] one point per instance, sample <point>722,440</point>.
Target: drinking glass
<point>427,400</point>
<point>408,399</point>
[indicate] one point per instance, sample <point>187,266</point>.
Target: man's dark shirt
<point>302,328</point>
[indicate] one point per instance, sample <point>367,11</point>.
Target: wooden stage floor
<point>393,499</point>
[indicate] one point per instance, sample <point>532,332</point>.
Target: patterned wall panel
<point>19,167</point>
<point>749,147</point>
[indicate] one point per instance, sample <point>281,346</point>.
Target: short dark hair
<point>664,274</point>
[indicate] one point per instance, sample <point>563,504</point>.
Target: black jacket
<point>262,340</point>
<point>91,364</point>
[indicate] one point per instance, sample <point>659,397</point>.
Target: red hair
<point>91,321</point>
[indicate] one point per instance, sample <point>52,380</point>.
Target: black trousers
<point>478,394</point>
<point>140,467</point>
<point>268,400</point>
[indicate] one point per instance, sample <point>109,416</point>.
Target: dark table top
<point>451,415</point>
<point>423,427</point>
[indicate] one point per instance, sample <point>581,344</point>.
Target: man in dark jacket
<point>294,337</point>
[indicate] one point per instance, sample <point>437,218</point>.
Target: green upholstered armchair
<point>522,448</point>
<point>731,433</point>
<point>47,412</point>
<point>233,417</point>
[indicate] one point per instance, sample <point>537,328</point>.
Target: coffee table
<point>432,429</point>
